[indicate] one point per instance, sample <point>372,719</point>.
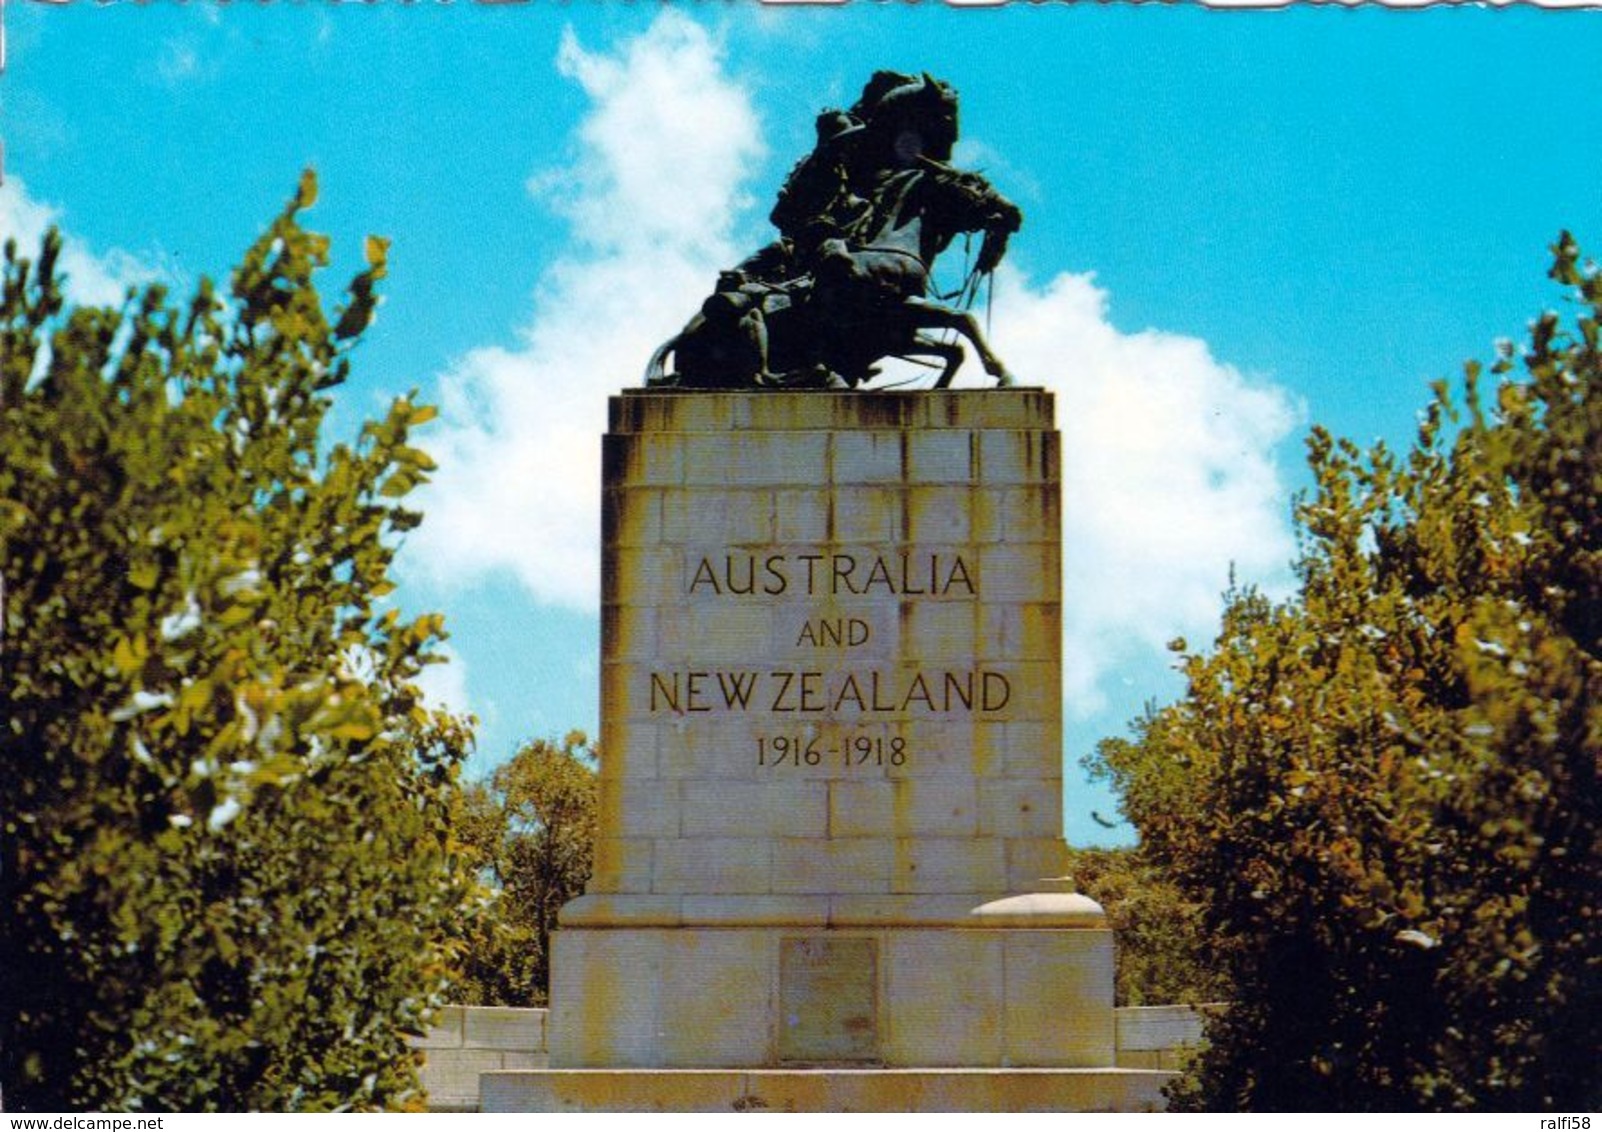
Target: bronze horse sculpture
<point>862,222</point>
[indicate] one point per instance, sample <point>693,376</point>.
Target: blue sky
<point>1237,224</point>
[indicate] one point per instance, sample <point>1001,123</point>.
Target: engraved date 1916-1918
<point>847,751</point>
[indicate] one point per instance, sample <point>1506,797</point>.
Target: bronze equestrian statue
<point>861,220</point>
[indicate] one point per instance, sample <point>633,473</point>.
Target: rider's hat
<point>836,125</point>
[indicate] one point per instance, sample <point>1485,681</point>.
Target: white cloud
<point>93,279</point>
<point>1168,473</point>
<point>652,198</point>
<point>445,685</point>
<point>667,145</point>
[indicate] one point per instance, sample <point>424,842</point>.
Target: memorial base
<point>825,1090</point>
<point>1006,1006</point>
<point>1024,981</point>
<point>831,709</point>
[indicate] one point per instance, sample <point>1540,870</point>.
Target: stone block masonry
<point>469,1041</point>
<point>830,827</point>
<point>830,643</point>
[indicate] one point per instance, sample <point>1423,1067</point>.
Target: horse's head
<point>954,201</point>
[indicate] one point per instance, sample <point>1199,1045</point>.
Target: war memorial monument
<point>829,868</point>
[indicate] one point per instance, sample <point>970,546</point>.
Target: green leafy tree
<point>1165,953</point>
<point>224,806</point>
<point>529,832</point>
<point>1384,791</point>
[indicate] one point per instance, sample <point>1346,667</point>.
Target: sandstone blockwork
<point>830,651</point>
<point>831,785</point>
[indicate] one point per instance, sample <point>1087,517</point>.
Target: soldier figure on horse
<point>861,221</point>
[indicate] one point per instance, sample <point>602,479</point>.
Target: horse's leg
<point>941,317</point>
<point>950,352</point>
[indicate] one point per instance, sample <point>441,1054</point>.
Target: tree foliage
<point>225,857</point>
<point>529,832</point>
<point>1384,791</point>
<point>1165,953</point>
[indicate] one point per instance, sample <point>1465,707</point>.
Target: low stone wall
<point>1158,1037</point>
<point>469,1040</point>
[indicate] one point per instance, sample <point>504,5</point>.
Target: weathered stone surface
<point>828,999</point>
<point>606,998</point>
<point>934,1018</point>
<point>834,865</point>
<point>1010,807</point>
<point>1159,1028</point>
<point>923,1002</point>
<point>623,865</point>
<point>1058,1005</point>
<point>445,1033</point>
<point>1016,990</point>
<point>503,1028</point>
<point>727,865</point>
<point>827,1090</point>
<point>950,864</point>
<point>831,635</point>
<point>451,1076</point>
<point>831,706</point>
<point>646,411</point>
<point>468,1041</point>
<point>735,807</point>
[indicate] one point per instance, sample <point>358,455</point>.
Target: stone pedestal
<point>746,996</point>
<point>831,747</point>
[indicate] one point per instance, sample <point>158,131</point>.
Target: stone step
<point>825,1090</point>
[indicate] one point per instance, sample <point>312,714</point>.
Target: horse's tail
<point>656,368</point>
